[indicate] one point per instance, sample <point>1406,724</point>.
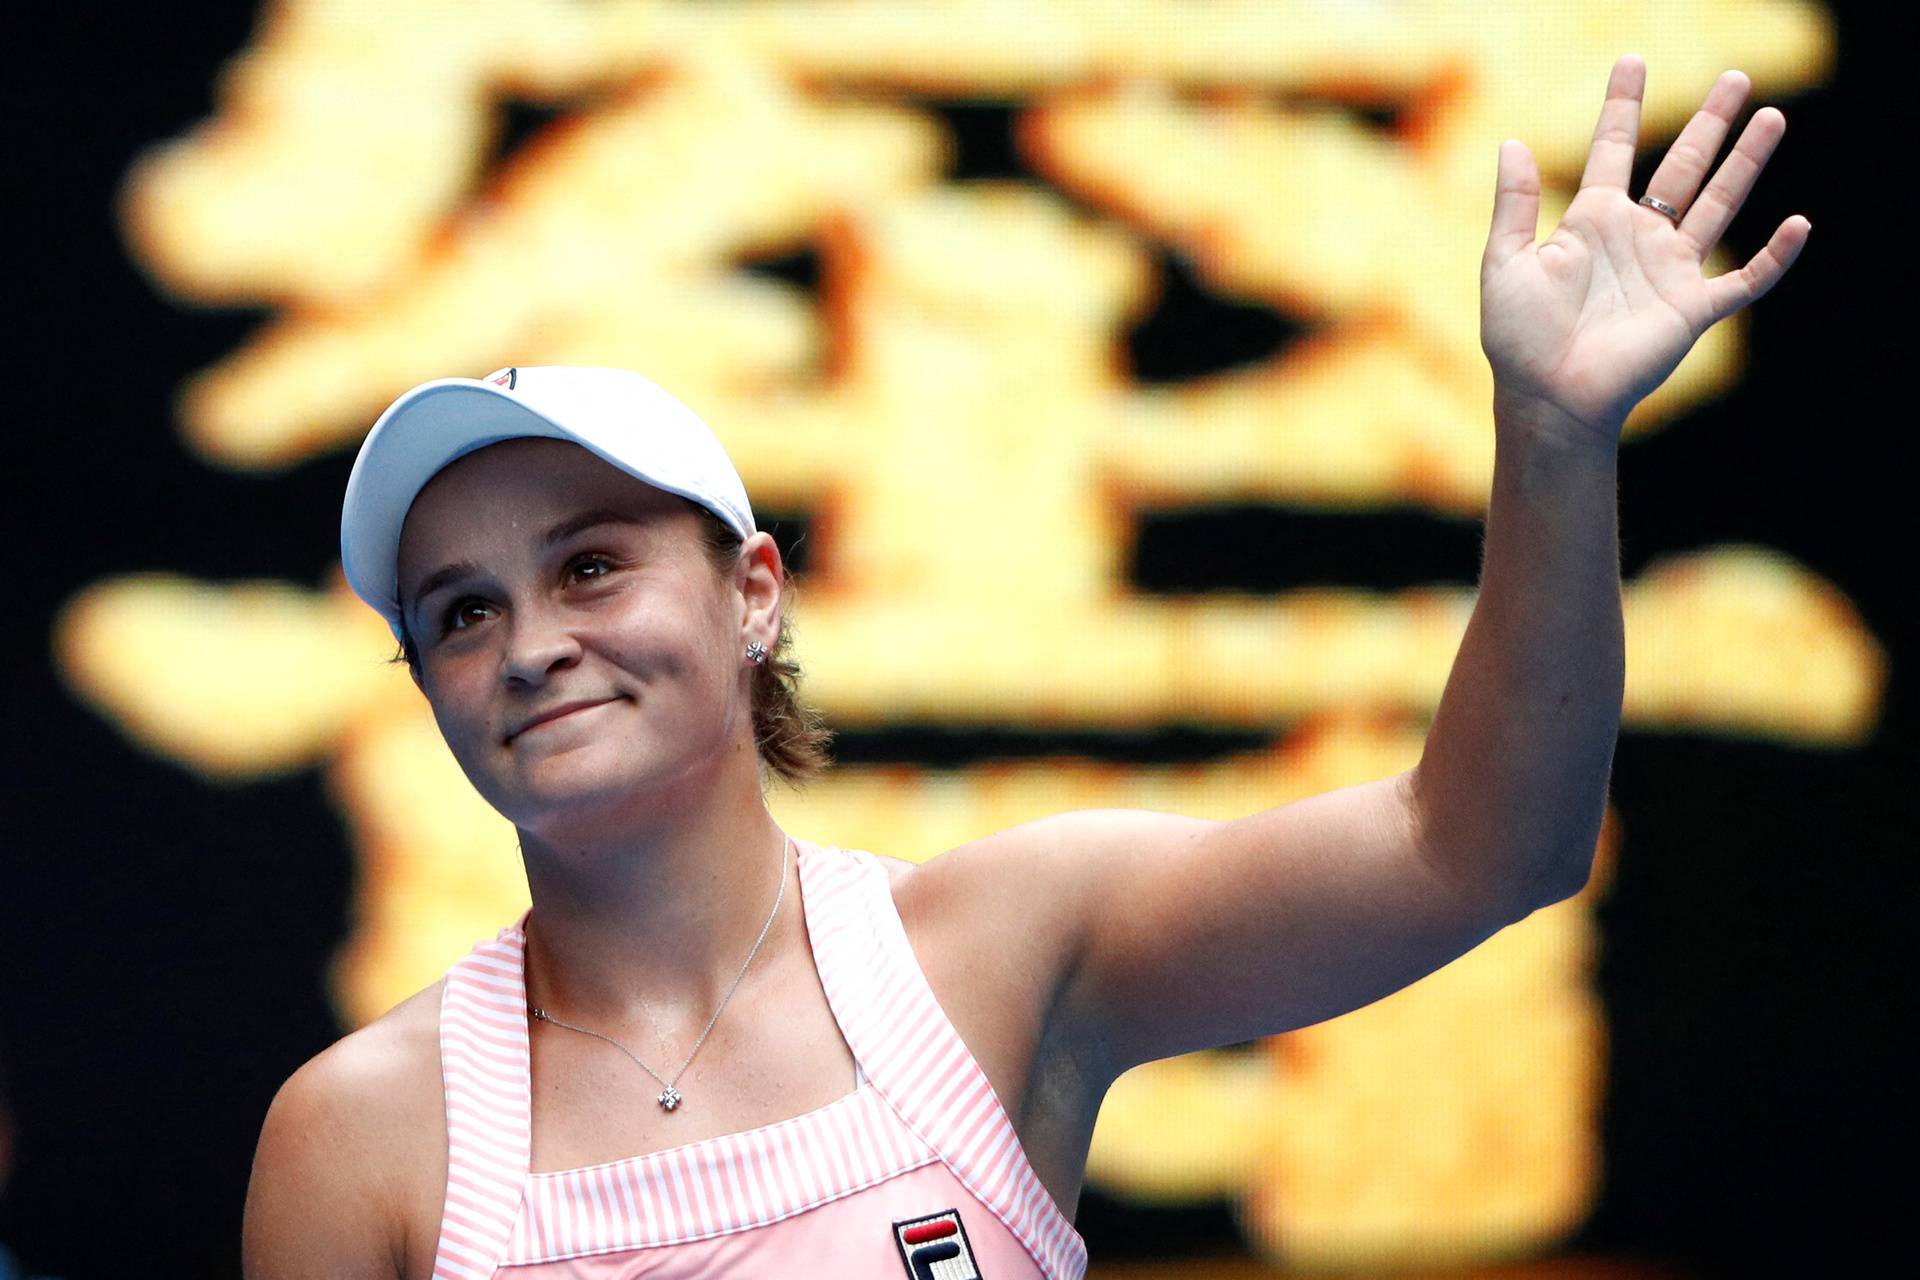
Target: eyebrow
<point>578,523</point>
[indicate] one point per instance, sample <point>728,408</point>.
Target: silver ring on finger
<point>1656,203</point>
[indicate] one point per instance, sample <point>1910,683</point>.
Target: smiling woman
<point>569,563</point>
<point>790,736</point>
<point>660,1068</point>
<point>570,612</point>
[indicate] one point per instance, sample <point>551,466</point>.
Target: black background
<point>161,938</point>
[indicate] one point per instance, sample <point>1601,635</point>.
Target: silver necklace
<point>669,1095</point>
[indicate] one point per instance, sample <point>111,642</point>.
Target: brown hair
<point>790,736</point>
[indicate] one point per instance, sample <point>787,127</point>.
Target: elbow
<point>1559,879</point>
<point>1528,885</point>
<point>1512,877</point>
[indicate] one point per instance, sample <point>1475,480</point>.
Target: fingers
<point>1704,213</point>
<point>1691,155</point>
<point>1516,202</point>
<point>1610,158</point>
<point>1707,220</point>
<point>1736,289</point>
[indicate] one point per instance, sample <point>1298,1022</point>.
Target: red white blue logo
<point>935,1247</point>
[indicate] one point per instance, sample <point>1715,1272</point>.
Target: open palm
<point>1592,319</point>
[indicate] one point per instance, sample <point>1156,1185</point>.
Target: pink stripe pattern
<point>916,1059</point>
<point>483,1057</point>
<point>922,1102</point>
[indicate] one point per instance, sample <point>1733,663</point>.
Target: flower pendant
<point>669,1098</point>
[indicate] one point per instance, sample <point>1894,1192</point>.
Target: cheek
<point>675,635</point>
<point>683,658</point>
<point>459,707</point>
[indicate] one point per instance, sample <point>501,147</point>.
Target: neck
<point>656,914</point>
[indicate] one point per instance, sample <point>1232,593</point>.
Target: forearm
<point>1512,785</point>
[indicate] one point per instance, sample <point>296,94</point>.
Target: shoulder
<point>1016,915</point>
<point>1035,881</point>
<point>348,1151</point>
<point>997,921</point>
<point>997,927</point>
<point>382,1072</point>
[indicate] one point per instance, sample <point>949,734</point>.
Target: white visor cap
<point>615,413</point>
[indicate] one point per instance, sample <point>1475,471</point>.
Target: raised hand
<point>1592,319</point>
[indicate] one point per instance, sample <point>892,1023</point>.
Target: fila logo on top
<point>935,1247</point>
<point>507,379</point>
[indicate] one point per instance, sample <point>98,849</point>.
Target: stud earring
<point>756,652</point>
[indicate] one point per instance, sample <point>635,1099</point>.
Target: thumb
<point>1516,203</point>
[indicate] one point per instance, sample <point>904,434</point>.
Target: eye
<point>589,566</point>
<point>464,612</point>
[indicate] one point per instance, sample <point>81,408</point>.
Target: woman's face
<point>537,579</point>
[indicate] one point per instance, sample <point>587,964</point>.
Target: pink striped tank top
<point>916,1173</point>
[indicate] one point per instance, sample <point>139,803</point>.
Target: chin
<point>574,793</point>
<point>577,816</point>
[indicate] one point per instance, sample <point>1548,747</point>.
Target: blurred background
<point>1110,374</point>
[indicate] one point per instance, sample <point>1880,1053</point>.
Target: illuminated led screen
<point>943,389</point>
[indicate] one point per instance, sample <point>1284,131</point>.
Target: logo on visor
<point>936,1247</point>
<point>505,378</point>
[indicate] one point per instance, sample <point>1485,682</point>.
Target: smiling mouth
<point>555,716</point>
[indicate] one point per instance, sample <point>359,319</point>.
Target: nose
<point>538,644</point>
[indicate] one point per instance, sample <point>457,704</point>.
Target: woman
<point>709,1043</point>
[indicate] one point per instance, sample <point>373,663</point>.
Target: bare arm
<point>1512,783</point>
<point>318,1204</point>
<point>1207,933</point>
<point>1141,935</point>
<point>1144,935</point>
